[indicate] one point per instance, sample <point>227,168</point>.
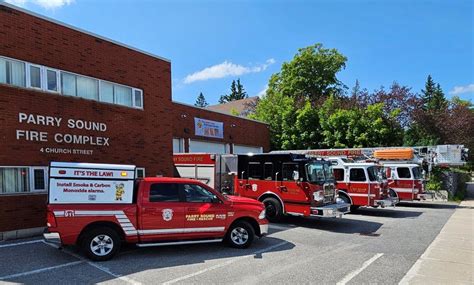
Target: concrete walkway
<point>450,257</point>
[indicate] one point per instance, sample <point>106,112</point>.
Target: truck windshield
<point>315,171</point>
<point>376,173</point>
<point>416,172</point>
<point>329,173</point>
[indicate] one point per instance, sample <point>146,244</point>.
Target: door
<point>206,214</point>
<point>162,212</point>
<point>359,186</point>
<point>404,184</point>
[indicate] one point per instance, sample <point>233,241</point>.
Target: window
<point>268,171</point>
<point>138,98</point>
<point>52,79</point>
<point>24,74</point>
<point>68,84</point>
<point>417,173</point>
<point>106,92</point>
<point>123,95</point>
<point>35,76</point>
<point>357,174</point>
<point>164,192</point>
<point>38,178</point>
<point>287,171</point>
<point>255,170</point>
<point>178,145</point>
<point>316,172</point>
<point>339,174</point>
<point>13,180</point>
<point>403,172</point>
<point>140,172</point>
<point>87,88</point>
<point>197,194</point>
<point>12,72</point>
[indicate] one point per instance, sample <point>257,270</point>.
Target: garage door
<point>207,147</point>
<point>242,149</point>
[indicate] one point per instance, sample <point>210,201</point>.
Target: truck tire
<point>344,198</point>
<point>273,209</point>
<point>100,244</point>
<point>240,235</point>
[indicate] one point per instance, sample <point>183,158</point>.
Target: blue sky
<point>210,43</point>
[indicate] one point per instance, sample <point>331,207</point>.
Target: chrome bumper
<point>263,230</point>
<point>53,239</point>
<point>389,202</point>
<point>331,211</point>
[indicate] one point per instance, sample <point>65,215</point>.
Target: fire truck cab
<point>362,184</point>
<point>288,184</point>
<point>407,180</point>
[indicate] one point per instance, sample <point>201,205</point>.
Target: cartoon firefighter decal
<point>119,191</point>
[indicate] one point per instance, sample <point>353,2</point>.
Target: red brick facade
<point>136,136</point>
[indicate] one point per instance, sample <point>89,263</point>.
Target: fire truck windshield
<point>319,172</point>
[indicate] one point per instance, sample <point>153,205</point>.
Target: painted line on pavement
<point>354,273</point>
<point>224,263</point>
<point>40,270</point>
<point>21,243</point>
<point>100,267</point>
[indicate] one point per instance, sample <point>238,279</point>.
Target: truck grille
<point>329,190</point>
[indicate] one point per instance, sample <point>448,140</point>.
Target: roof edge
<point>31,13</point>
<point>217,112</point>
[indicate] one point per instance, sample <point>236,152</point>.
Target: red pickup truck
<point>99,206</point>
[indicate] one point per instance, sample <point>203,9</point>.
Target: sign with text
<point>207,128</point>
<point>90,183</point>
<point>71,191</point>
<point>32,122</point>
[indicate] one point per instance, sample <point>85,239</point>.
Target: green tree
<point>201,101</point>
<point>428,92</point>
<point>358,127</point>
<point>310,75</point>
<point>237,92</point>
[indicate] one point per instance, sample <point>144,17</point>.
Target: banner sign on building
<point>207,128</point>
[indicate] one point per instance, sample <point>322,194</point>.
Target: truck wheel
<point>346,200</point>
<point>101,244</point>
<point>273,209</point>
<point>240,235</point>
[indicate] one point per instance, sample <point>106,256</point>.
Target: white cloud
<point>225,69</point>
<point>47,4</point>
<point>263,92</point>
<point>462,89</point>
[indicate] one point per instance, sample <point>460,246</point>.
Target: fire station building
<point>69,95</point>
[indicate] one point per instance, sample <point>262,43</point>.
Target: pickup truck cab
<point>99,206</point>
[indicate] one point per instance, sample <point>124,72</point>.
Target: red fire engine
<point>362,184</point>
<point>288,184</point>
<point>98,206</point>
<point>402,164</point>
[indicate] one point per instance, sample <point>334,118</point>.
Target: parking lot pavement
<point>369,246</point>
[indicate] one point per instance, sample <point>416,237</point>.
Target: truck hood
<point>243,200</point>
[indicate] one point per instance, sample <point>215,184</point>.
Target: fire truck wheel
<point>273,209</point>
<point>240,235</point>
<point>101,244</point>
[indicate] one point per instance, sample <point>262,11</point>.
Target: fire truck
<point>404,166</point>
<point>99,206</point>
<point>362,184</point>
<point>288,184</point>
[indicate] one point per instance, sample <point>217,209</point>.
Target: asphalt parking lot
<point>369,246</point>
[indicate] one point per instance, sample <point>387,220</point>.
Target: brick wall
<point>236,130</point>
<point>140,137</point>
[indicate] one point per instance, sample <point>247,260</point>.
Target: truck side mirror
<point>296,175</point>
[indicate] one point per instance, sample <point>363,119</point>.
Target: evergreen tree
<point>201,101</point>
<point>428,92</point>
<point>438,101</point>
<point>237,92</point>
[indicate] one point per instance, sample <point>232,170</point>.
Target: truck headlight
<point>262,215</point>
<point>318,196</point>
